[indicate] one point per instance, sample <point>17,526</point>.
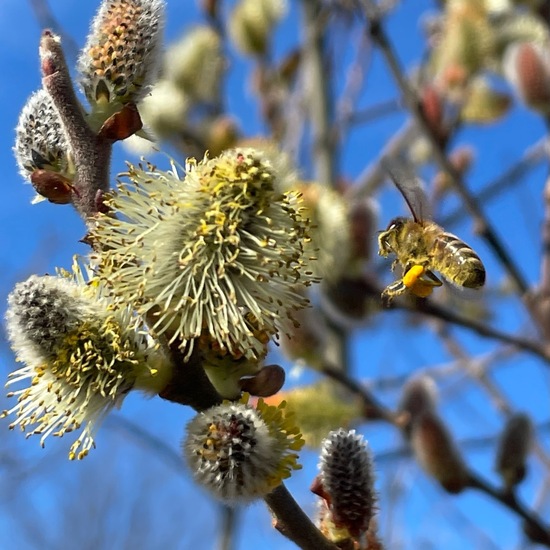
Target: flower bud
<point>513,448</point>
<point>433,108</point>
<point>165,109</point>
<point>363,219</point>
<point>195,64</point>
<point>437,453</point>
<point>240,453</point>
<point>527,67</point>
<point>222,133</point>
<point>419,395</point>
<point>484,105</point>
<point>346,481</point>
<point>350,299</point>
<point>251,24</point>
<point>210,7</point>
<point>121,57</point>
<point>41,148</point>
<point>467,41</point>
<point>305,340</point>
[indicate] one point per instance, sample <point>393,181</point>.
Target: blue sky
<point>138,480</point>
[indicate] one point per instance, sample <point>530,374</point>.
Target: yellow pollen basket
<point>418,286</point>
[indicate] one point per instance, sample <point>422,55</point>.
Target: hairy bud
<point>346,481</point>
<point>350,300</point>
<point>513,448</point>
<point>484,104</point>
<point>306,339</point>
<point>527,67</point>
<point>252,22</point>
<point>363,220</point>
<point>41,147</point>
<point>121,57</point>
<point>195,64</point>
<point>437,453</point>
<point>433,108</point>
<point>331,234</point>
<point>419,395</point>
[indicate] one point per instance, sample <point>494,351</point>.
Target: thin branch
<point>374,112</point>
<point>428,308</point>
<point>297,526</point>
<point>510,177</point>
<point>372,408</point>
<point>318,94</point>
<point>229,520</point>
<point>46,20</point>
<point>510,501</point>
<point>441,371</point>
<point>372,176</point>
<point>433,310</point>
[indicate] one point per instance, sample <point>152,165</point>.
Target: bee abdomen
<point>455,260</point>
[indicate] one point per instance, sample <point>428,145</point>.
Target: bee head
<point>397,223</point>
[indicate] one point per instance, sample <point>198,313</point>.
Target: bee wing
<point>410,186</point>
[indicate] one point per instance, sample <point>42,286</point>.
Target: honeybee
<point>422,247</point>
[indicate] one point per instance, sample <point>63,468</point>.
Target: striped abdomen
<point>456,261</point>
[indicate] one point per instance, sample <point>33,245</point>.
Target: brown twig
<point>372,177</point>
<point>372,408</point>
<point>510,501</point>
<point>283,505</point>
<point>46,20</point>
<point>91,153</point>
<point>509,177</point>
<point>374,112</point>
<point>428,308</point>
<point>324,150</point>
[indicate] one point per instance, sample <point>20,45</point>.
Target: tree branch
<point>537,530</point>
<point>293,523</point>
<point>92,154</point>
<point>318,95</point>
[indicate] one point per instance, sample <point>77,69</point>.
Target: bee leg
<point>384,248</point>
<point>391,291</point>
<point>432,278</point>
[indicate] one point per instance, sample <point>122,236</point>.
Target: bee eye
<point>394,225</point>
